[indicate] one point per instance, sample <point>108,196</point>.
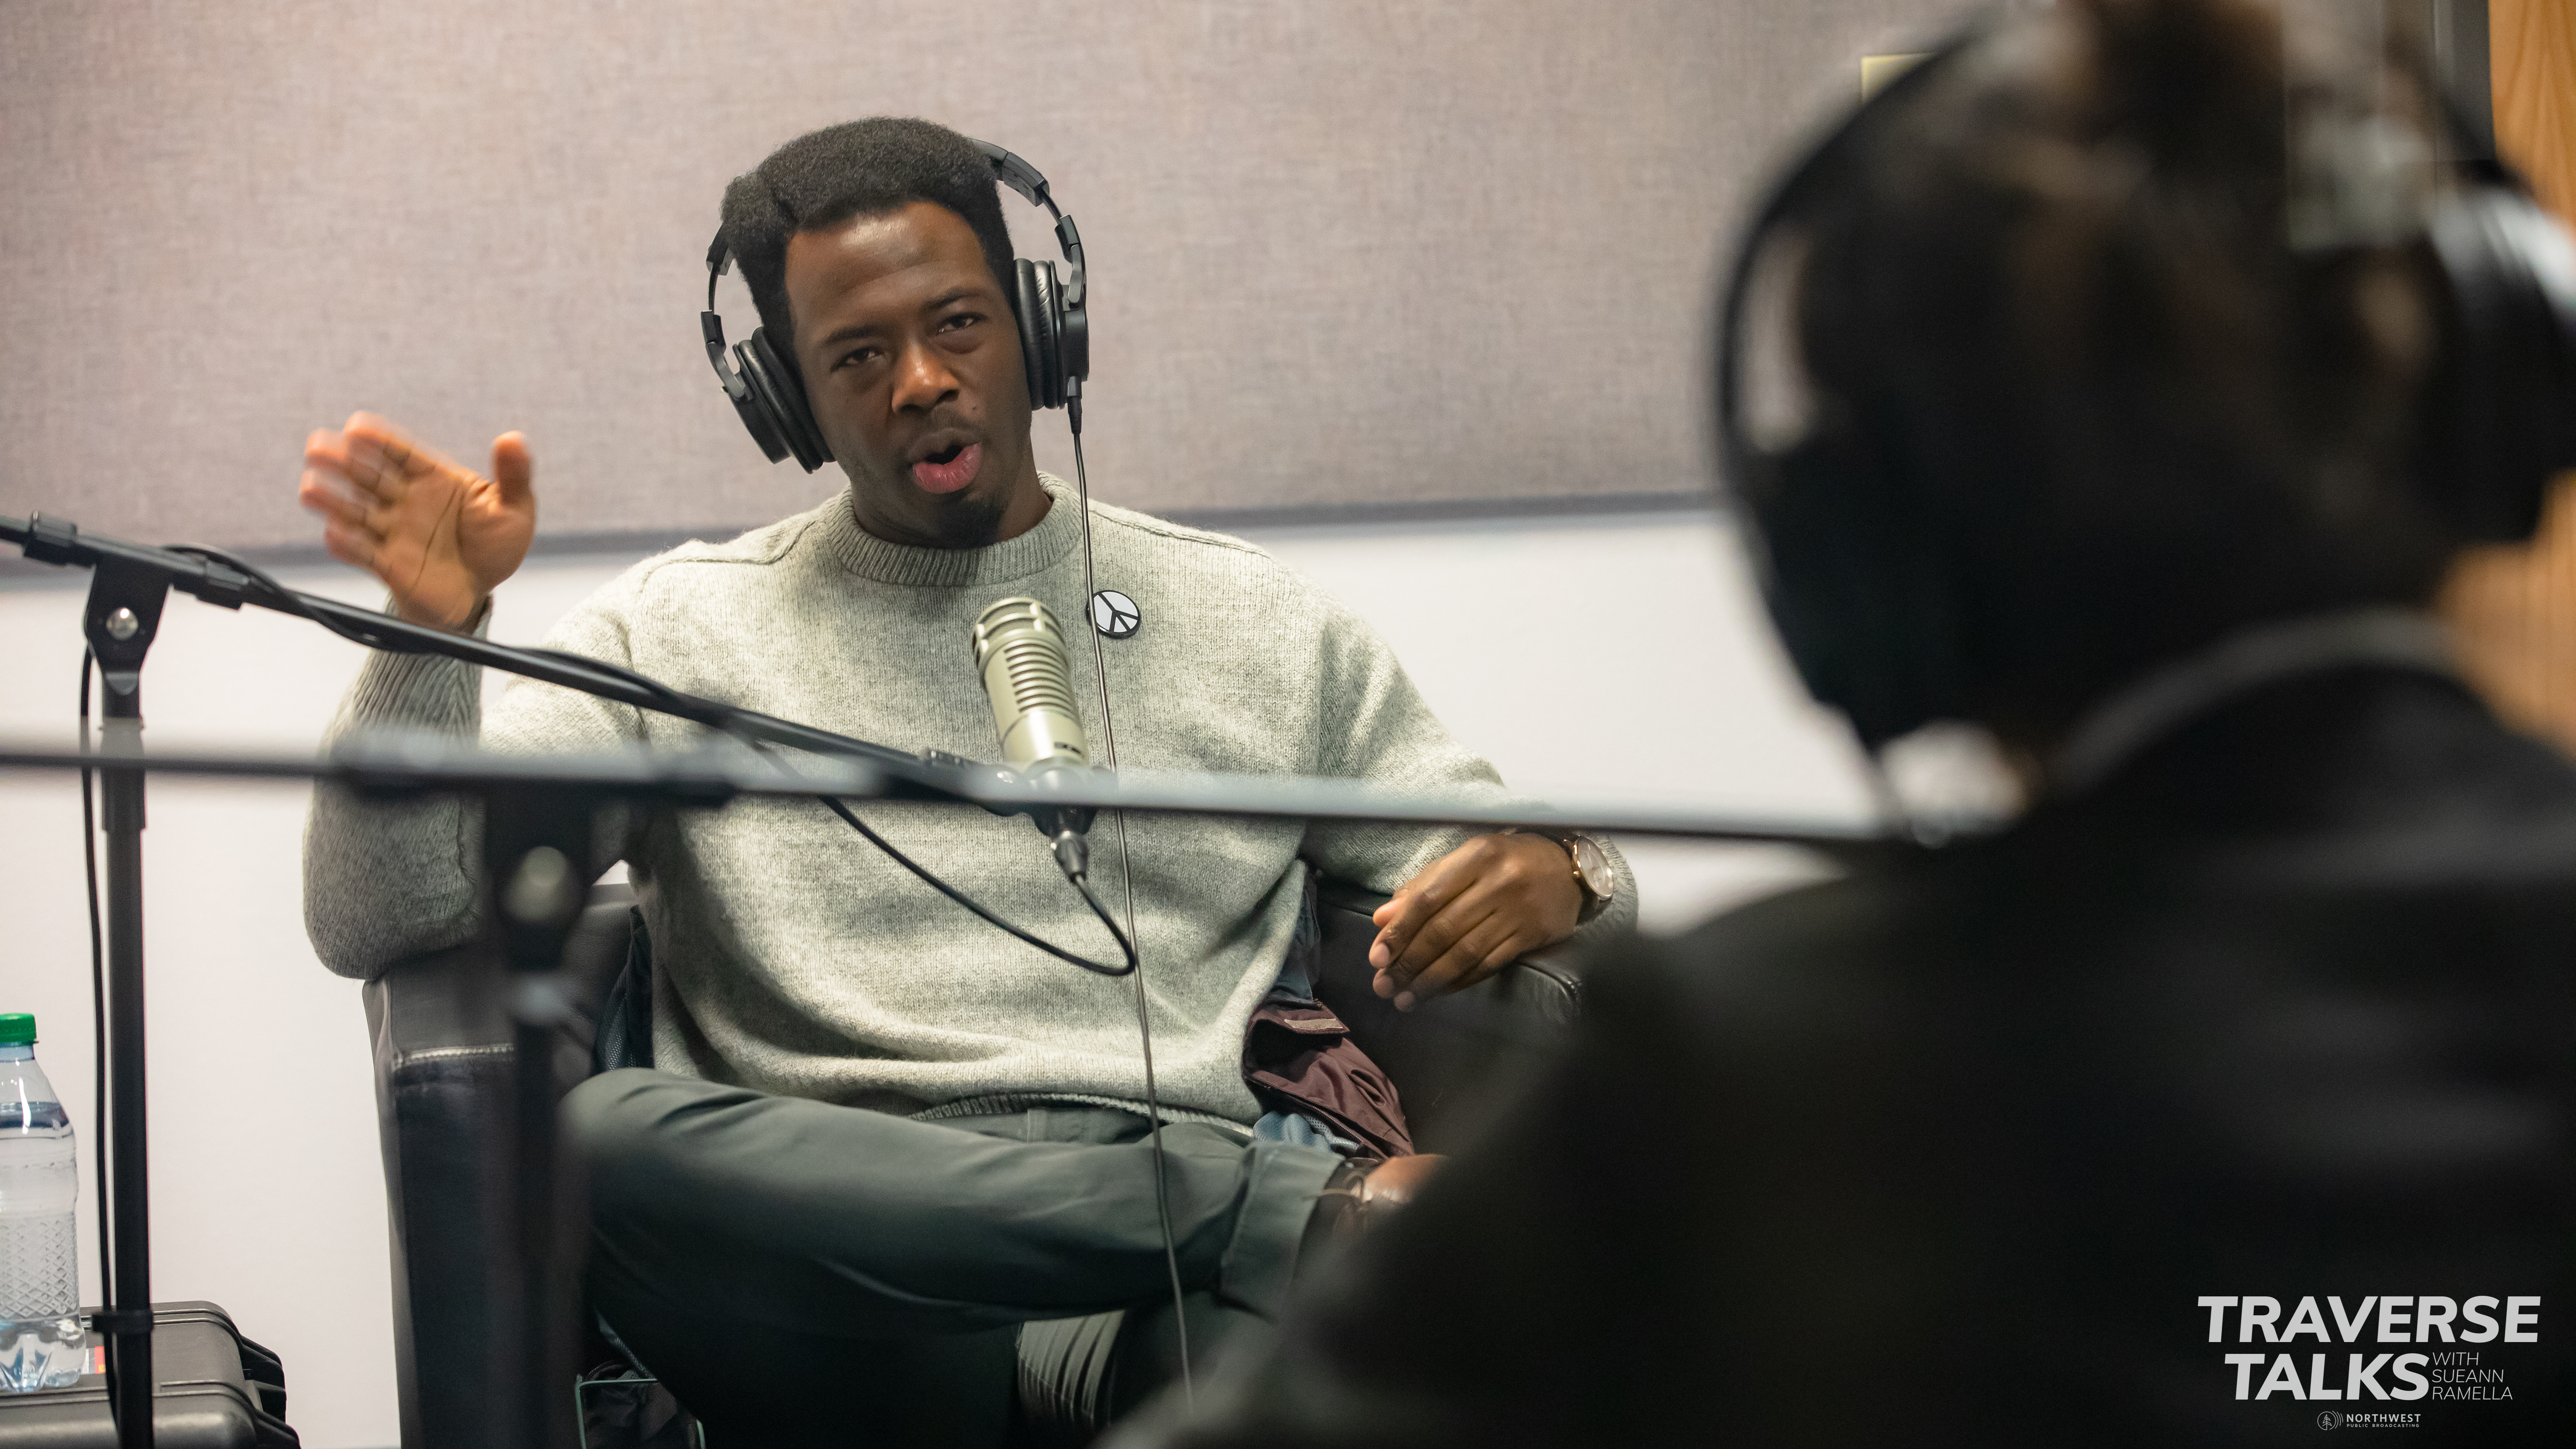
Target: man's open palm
<point>441,536</point>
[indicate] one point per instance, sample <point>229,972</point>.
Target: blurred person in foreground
<point>2223,1098</point>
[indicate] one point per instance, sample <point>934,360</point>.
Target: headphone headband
<point>1023,178</point>
<point>1863,599</point>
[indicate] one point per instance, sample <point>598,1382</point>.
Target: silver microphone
<point>1019,649</point>
<point>1020,652</point>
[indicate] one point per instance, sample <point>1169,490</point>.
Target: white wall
<point>1607,654</point>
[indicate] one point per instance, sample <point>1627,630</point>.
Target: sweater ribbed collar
<point>841,540</point>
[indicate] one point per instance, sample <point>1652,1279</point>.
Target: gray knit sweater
<point>791,956</point>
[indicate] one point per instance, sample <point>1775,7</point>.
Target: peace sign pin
<point>1114,614</point>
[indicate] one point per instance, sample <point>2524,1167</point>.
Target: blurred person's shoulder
<point>1834,962</point>
<point>2380,826</point>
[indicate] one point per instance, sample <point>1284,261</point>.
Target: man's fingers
<point>1479,907</point>
<point>401,512</point>
<point>370,467</point>
<point>332,496</point>
<point>1462,899</point>
<point>1405,939</point>
<point>332,453</point>
<point>359,462</point>
<point>377,431</point>
<point>1491,944</point>
<point>1422,899</point>
<point>378,445</point>
<point>513,469</point>
<point>1397,920</point>
<point>1436,936</point>
<point>1428,924</point>
<point>1443,933</point>
<point>350,544</point>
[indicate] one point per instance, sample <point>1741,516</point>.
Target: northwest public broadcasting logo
<point>2330,1419</point>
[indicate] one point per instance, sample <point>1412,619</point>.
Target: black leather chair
<point>443,1065</point>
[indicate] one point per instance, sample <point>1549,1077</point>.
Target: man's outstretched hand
<point>441,536</point>
<point>1471,913</point>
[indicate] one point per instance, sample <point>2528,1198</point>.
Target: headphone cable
<point>1127,879</point>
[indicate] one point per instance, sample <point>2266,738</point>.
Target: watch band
<point>1573,843</point>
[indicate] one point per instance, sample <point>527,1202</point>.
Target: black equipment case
<point>214,1389</point>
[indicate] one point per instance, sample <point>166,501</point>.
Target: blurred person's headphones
<point>1856,584</point>
<point>1055,334</point>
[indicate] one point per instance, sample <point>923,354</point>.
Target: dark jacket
<point>1950,1150</point>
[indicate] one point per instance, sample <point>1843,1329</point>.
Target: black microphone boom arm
<point>904,775</point>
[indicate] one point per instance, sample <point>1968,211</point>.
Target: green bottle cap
<point>17,1028</point>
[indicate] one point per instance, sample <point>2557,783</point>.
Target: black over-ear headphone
<point>1855,577</point>
<point>1055,335</point>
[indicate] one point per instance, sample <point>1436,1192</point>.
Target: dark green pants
<point>800,1273</point>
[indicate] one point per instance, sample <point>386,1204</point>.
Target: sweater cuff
<point>1620,914</point>
<point>418,691</point>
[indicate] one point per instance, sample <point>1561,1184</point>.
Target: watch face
<point>1594,865</point>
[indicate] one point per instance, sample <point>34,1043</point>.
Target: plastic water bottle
<point>41,1345</point>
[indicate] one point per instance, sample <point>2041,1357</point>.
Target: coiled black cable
<point>1126,947</point>
<point>850,817</point>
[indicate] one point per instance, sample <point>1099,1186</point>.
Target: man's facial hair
<point>972,522</point>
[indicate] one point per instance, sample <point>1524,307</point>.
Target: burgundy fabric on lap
<point>1302,1059</point>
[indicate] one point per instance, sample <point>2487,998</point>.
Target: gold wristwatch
<point>1592,873</point>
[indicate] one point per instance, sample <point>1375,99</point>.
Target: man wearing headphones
<point>882,1136</point>
<point>2226,1096</point>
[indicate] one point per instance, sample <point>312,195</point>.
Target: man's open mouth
<point>950,468</point>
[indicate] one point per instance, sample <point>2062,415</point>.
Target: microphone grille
<point>1004,620</point>
<point>1020,653</point>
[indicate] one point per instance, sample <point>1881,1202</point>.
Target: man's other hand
<point>440,535</point>
<point>1471,913</point>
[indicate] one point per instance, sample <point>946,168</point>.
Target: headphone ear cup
<point>781,396</point>
<point>755,418</point>
<point>2503,417</point>
<point>1034,303</point>
<point>738,389</point>
<point>1072,339</point>
<point>1865,615</point>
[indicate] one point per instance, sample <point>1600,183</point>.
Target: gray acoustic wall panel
<point>1343,251</point>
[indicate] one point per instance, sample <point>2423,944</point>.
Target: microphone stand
<point>537,841</point>
<point>120,619</point>
<point>538,838</point>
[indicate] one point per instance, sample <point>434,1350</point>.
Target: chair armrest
<point>1450,1056</point>
<point>444,1005</point>
<point>440,1032</point>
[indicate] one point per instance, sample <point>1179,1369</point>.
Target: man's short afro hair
<point>857,168</point>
